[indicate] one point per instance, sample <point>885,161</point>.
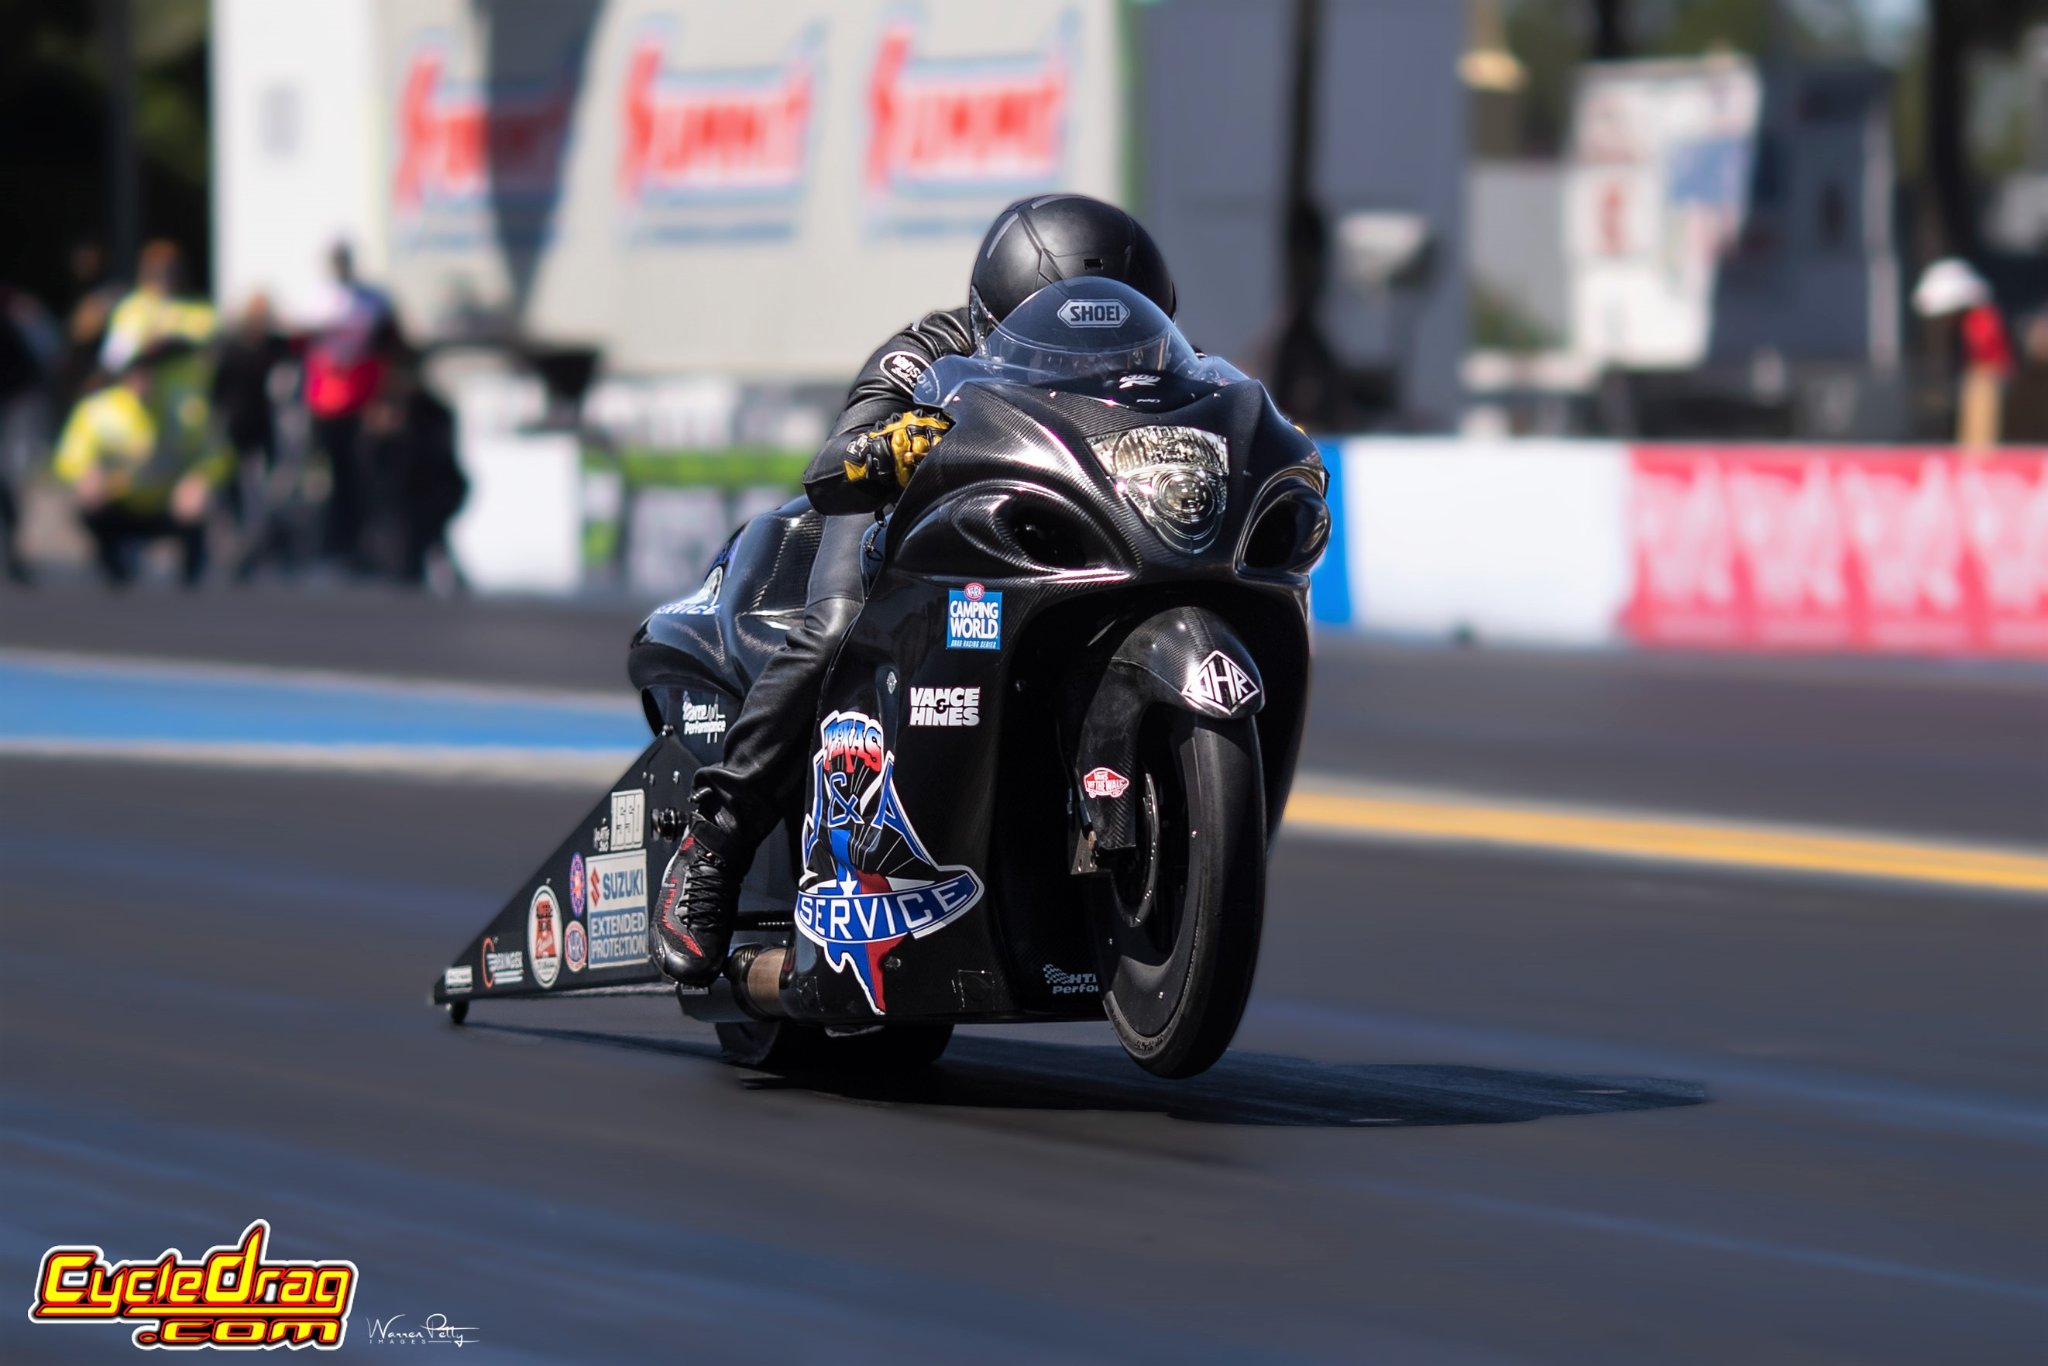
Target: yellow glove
<point>895,447</point>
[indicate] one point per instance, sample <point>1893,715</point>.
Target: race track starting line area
<point>107,709</point>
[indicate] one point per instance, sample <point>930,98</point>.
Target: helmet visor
<point>1081,328</point>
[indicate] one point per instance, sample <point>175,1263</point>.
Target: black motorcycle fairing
<point>1015,503</point>
<point>719,637</point>
<point>1013,489</point>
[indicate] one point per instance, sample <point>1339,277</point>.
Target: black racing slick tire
<point>784,1046</point>
<point>1178,925</point>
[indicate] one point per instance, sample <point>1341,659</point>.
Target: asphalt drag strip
<point>1511,1108</point>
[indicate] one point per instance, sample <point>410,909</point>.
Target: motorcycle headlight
<point>1174,476</point>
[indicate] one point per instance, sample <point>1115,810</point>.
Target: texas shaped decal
<point>868,883</point>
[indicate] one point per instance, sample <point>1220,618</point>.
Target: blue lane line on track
<point>65,702</point>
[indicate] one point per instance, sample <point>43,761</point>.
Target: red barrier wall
<point>1804,548</point>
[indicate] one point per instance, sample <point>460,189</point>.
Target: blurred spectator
<point>1951,289</point>
<point>344,367</point>
<point>249,355</point>
<point>93,295</point>
<point>155,309</point>
<point>143,459</point>
<point>2026,401</point>
<point>413,485</point>
<point>29,347</point>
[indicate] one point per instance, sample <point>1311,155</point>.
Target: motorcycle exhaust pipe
<point>755,972</point>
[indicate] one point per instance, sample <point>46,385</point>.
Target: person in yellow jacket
<point>144,461</point>
<point>154,311</point>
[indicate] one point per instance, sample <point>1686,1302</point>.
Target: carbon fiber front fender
<point>1185,657</point>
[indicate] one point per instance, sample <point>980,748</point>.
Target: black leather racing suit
<point>739,799</point>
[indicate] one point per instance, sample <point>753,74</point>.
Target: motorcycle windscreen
<point>578,924</point>
<point>1086,335</point>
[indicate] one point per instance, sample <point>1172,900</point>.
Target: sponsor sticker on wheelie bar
<point>502,967</point>
<point>544,936</point>
<point>629,819</point>
<point>615,893</point>
<point>974,619</point>
<point>625,824</point>
<point>235,1297</point>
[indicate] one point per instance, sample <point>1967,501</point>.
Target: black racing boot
<point>691,928</point>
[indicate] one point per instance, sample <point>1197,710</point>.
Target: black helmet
<point>1038,241</point>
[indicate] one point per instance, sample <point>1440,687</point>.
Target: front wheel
<point>1178,923</point>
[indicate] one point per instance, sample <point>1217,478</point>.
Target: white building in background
<point>1716,212</point>
<point>296,165</point>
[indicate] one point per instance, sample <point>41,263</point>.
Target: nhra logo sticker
<point>974,619</point>
<point>868,882</point>
<point>1095,313</point>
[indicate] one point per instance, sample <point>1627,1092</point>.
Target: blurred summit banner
<point>474,162</point>
<point>681,178</point>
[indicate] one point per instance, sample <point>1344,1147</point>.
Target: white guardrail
<point>1748,547</point>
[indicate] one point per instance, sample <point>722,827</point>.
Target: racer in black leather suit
<point>872,452</point>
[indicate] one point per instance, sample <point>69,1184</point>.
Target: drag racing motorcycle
<point>1050,756</point>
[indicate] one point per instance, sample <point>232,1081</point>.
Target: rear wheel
<point>1178,923</point>
<point>785,1046</point>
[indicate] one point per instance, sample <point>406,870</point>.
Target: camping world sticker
<point>974,619</point>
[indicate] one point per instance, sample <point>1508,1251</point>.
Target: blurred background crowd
<point>548,294</point>
<point>161,421</point>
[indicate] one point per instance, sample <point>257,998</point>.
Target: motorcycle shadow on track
<point>1254,1089</point>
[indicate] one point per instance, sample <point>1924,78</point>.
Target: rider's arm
<point>880,391</point>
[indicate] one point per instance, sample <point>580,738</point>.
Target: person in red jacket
<point>344,368</point>
<point>1951,289</point>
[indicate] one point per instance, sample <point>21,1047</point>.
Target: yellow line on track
<point>1395,814</point>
